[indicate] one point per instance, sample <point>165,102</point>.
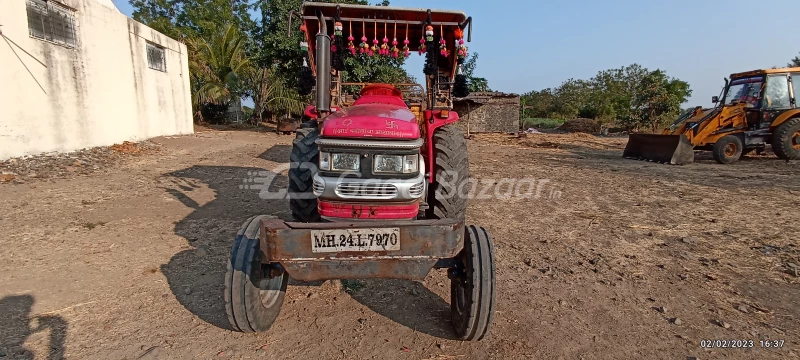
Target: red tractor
<point>376,182</point>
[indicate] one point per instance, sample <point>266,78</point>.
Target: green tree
<point>479,84</point>
<point>269,93</point>
<point>571,97</point>
<point>614,95</point>
<point>374,69</point>
<point>475,84</point>
<point>274,47</point>
<point>182,19</point>
<point>659,98</point>
<point>215,68</point>
<point>537,104</point>
<point>794,62</point>
<point>160,15</point>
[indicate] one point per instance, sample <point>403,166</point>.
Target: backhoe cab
<point>757,108</point>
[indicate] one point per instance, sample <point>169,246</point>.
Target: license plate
<point>369,239</point>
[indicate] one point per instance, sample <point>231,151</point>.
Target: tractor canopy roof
<point>764,72</point>
<point>383,21</point>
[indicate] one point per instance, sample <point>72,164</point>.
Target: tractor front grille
<point>416,189</point>
<point>318,187</point>
<point>366,190</point>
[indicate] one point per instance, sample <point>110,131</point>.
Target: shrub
<point>581,125</point>
<point>541,123</point>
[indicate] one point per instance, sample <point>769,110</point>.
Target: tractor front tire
<point>252,299</point>
<point>304,161</point>
<point>727,149</point>
<point>786,140</point>
<point>472,288</point>
<point>447,197</point>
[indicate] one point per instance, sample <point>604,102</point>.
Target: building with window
<point>78,73</point>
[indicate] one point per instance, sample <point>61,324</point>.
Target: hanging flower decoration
<point>431,66</point>
<point>363,47</point>
<point>423,47</point>
<point>442,43</point>
<point>385,45</point>
<point>406,50</point>
<point>462,49</point>
<point>374,49</point>
<point>337,33</point>
<point>350,39</point>
<point>306,81</point>
<point>338,28</point>
<point>337,45</point>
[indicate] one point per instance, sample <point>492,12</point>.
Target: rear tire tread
<point>480,274</point>
<point>243,305</point>
<point>304,159</point>
<point>782,140</point>
<point>450,153</point>
<point>718,150</point>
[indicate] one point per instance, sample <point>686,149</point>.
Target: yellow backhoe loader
<point>758,108</point>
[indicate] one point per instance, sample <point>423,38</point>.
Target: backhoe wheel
<point>252,299</point>
<point>304,161</point>
<point>472,290</point>
<point>728,149</point>
<point>786,140</point>
<point>448,194</point>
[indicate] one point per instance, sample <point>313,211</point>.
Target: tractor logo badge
<point>391,125</point>
<point>347,122</point>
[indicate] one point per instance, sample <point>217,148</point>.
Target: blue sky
<point>532,45</point>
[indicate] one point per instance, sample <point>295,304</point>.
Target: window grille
<point>53,22</point>
<point>155,57</point>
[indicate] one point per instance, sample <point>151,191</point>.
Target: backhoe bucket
<point>670,149</point>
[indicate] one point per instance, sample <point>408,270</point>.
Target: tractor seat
<point>381,89</point>
<point>381,94</point>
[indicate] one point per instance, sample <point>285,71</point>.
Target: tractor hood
<point>379,121</point>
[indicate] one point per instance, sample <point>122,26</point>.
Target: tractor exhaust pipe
<point>323,68</point>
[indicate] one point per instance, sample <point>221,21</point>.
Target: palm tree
<point>269,92</point>
<point>216,65</point>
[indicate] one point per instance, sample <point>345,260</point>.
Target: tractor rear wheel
<point>786,140</point>
<point>253,299</point>
<point>472,288</point>
<point>304,161</point>
<point>727,149</point>
<point>447,196</point>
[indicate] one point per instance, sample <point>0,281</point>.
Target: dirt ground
<point>616,259</point>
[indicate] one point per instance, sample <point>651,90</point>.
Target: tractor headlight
<point>339,162</point>
<point>398,164</point>
<point>324,161</point>
<point>345,162</point>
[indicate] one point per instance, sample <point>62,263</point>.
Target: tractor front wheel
<point>472,286</point>
<point>786,140</point>
<point>727,149</point>
<point>304,161</point>
<point>447,196</point>
<point>253,298</point>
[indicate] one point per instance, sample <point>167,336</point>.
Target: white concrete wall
<point>98,94</point>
